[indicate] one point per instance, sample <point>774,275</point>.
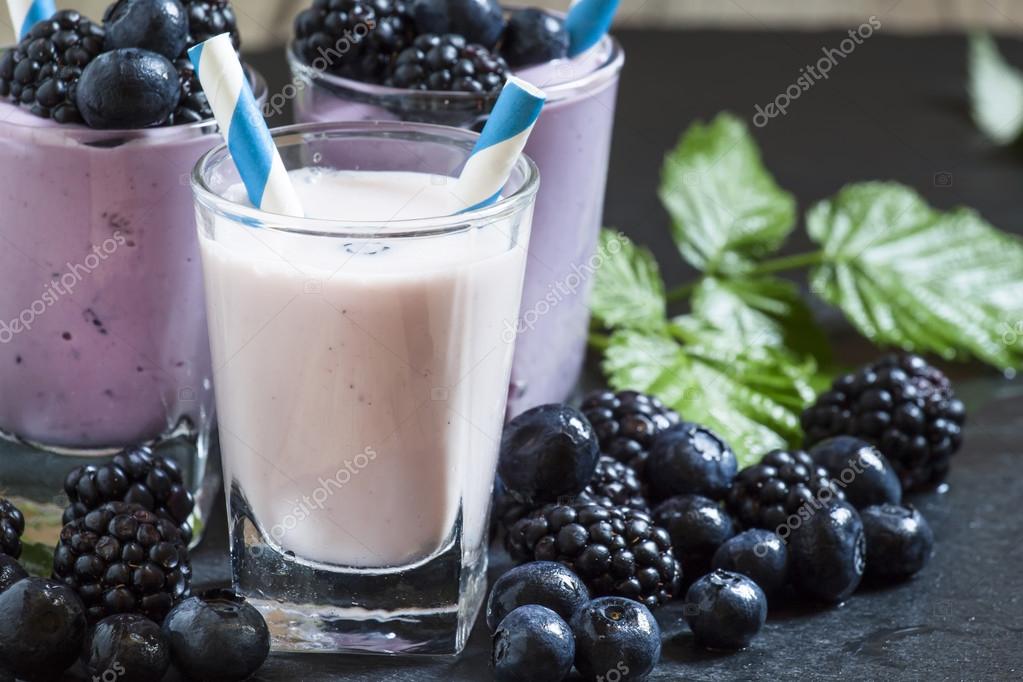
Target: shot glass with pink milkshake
<point>571,145</point>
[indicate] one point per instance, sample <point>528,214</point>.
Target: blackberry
<point>903,406</point>
<point>122,558</point>
<point>447,63</point>
<point>208,19</point>
<point>135,475</point>
<point>627,423</point>
<point>12,525</point>
<point>41,72</point>
<point>357,39</point>
<point>616,551</point>
<point>764,495</point>
<point>193,105</point>
<point>616,482</point>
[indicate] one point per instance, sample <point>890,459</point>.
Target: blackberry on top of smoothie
<point>130,71</point>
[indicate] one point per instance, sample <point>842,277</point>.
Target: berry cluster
<point>132,71</point>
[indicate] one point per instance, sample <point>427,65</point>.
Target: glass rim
<point>360,229</point>
<point>556,92</point>
<point>82,132</point>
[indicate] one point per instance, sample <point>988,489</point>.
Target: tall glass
<point>571,144</point>
<point>103,341</point>
<point>361,373</point>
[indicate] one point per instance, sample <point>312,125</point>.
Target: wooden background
<point>266,22</point>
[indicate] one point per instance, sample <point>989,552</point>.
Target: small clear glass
<point>361,371</point>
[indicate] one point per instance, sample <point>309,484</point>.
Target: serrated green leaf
<point>628,290</point>
<point>910,276</point>
<point>726,209</point>
<point>996,91</point>
<point>763,311</point>
<point>751,398</point>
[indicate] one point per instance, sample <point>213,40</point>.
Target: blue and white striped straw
<point>27,13</point>
<point>504,136</point>
<point>587,23</point>
<point>243,127</point>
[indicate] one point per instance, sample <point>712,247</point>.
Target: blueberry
<point>689,459</point>
<point>127,646</point>
<point>217,637</point>
<point>698,526</point>
<point>157,25</point>
<point>128,88</point>
<point>533,643</point>
<point>615,638</point>
<point>10,571</point>
<point>758,554</point>
<point>478,21</point>
<point>725,610</point>
<point>827,551</point>
<point>42,628</point>
<point>533,37</point>
<point>860,469</point>
<point>546,583</point>
<point>899,541</point>
<point>548,452</point>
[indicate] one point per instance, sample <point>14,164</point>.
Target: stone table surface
<point>893,109</point>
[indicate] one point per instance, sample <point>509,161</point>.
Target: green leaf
<point>37,559</point>
<point>628,290</point>
<point>910,276</point>
<point>761,311</point>
<point>751,398</point>
<point>726,209</point>
<point>996,91</point>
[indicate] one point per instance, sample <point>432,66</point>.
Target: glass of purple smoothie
<point>103,341</point>
<point>570,144</point>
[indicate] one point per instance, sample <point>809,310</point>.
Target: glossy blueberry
<point>10,571</point>
<point>533,643</point>
<point>615,637</point>
<point>548,452</point>
<point>478,21</point>
<point>827,551</point>
<point>725,610</point>
<point>127,646</point>
<point>689,459</point>
<point>42,628</point>
<point>698,526</point>
<point>545,583</point>
<point>533,36</point>
<point>157,25</point>
<point>899,541</point>
<point>128,88</point>
<point>217,637</point>
<point>860,470</point>
<point>758,554</point>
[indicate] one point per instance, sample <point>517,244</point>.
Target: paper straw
<point>490,165</point>
<point>243,127</point>
<point>27,13</point>
<point>587,23</point>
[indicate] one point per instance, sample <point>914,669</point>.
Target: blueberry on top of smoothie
<point>128,88</point>
<point>157,25</point>
<point>478,21</point>
<point>533,37</point>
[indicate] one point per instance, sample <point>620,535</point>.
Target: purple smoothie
<point>102,331</point>
<point>571,145</point>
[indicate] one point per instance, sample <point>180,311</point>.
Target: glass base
<point>428,608</point>
<point>32,476</point>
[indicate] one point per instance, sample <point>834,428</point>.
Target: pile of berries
<point>131,71</point>
<point>627,502</point>
<point>119,598</point>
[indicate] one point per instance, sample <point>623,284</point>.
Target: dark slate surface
<point>894,109</point>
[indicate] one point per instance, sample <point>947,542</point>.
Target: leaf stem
<point>600,341</point>
<point>800,260</point>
